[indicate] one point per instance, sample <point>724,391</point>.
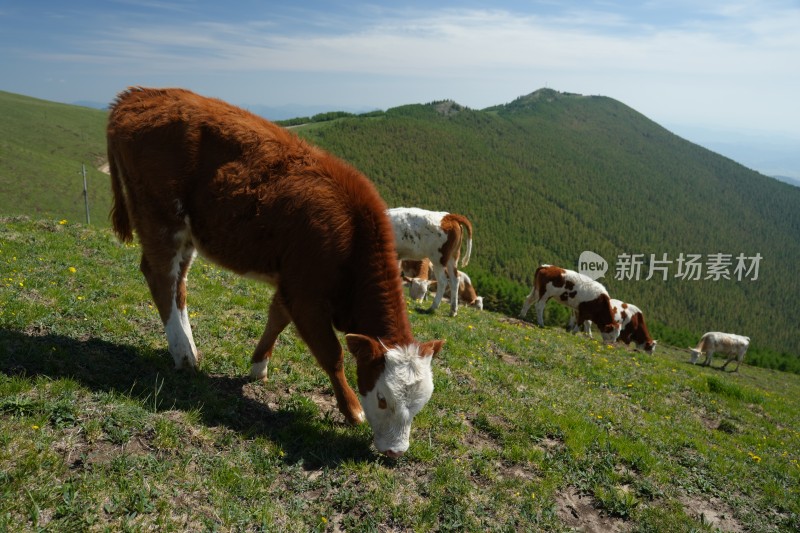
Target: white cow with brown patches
<point>632,326</point>
<point>588,299</point>
<point>436,235</point>
<point>734,346</point>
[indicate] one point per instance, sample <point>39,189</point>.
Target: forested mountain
<point>542,178</point>
<point>552,174</point>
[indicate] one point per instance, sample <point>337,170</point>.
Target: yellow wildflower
<point>62,222</point>
<point>72,270</point>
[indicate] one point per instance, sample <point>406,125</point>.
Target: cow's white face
<point>648,347</point>
<point>695,355</point>
<point>400,391</point>
<point>418,288</point>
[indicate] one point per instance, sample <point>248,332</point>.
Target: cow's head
<point>478,302</point>
<point>648,347</point>
<point>418,288</point>
<point>695,355</point>
<point>610,332</point>
<point>394,385</point>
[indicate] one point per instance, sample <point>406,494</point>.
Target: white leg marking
<point>540,312</point>
<point>258,371</point>
<point>179,337</point>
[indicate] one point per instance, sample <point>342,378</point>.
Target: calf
<point>632,326</point>
<point>588,299</point>
<point>730,344</point>
<point>436,235</point>
<point>190,173</point>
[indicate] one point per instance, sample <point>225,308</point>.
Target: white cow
<point>437,235</point>
<point>734,346</point>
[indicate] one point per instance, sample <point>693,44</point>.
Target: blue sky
<point>726,68</point>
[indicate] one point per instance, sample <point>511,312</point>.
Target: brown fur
<point>260,201</point>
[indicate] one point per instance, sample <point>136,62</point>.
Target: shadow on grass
<point>148,375</point>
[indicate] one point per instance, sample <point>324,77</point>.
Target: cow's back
<point>257,199</point>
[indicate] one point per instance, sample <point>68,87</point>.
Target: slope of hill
<point>528,429</point>
<point>551,175</point>
<point>42,147</point>
<point>543,178</point>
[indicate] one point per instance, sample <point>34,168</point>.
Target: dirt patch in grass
<point>712,511</point>
<point>577,511</point>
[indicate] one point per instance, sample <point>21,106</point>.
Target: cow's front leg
<point>315,329</point>
<point>276,322</point>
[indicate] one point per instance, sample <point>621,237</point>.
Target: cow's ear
<point>430,348</point>
<point>363,347</point>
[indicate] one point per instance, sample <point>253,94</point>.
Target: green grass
<point>42,147</point>
<point>97,431</point>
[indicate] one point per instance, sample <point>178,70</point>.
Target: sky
<point>709,70</point>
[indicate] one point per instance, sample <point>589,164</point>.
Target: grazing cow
<point>417,274</point>
<point>190,173</point>
<point>436,235</point>
<point>632,326</point>
<point>466,291</point>
<point>734,346</point>
<point>588,299</point>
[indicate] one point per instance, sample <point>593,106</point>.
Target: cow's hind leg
<point>165,266</point>
<point>452,275</point>
<point>276,322</point>
<point>441,285</point>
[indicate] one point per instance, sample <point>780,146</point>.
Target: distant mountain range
<point>780,160</point>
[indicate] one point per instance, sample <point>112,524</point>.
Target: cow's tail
<point>120,219</point>
<point>464,221</point>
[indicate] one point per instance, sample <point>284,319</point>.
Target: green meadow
<point>528,429</point>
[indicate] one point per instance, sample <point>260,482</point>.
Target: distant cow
<point>436,235</point>
<point>417,275</point>
<point>632,326</point>
<point>191,173</point>
<point>734,346</point>
<point>588,298</point>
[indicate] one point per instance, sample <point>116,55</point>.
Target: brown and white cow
<point>190,173</point>
<point>730,344</point>
<point>417,275</point>
<point>588,298</point>
<point>632,326</point>
<point>467,295</point>
<point>436,235</point>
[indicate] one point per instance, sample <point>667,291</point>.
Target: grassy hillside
<point>528,429</point>
<point>551,175</point>
<point>42,147</point>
